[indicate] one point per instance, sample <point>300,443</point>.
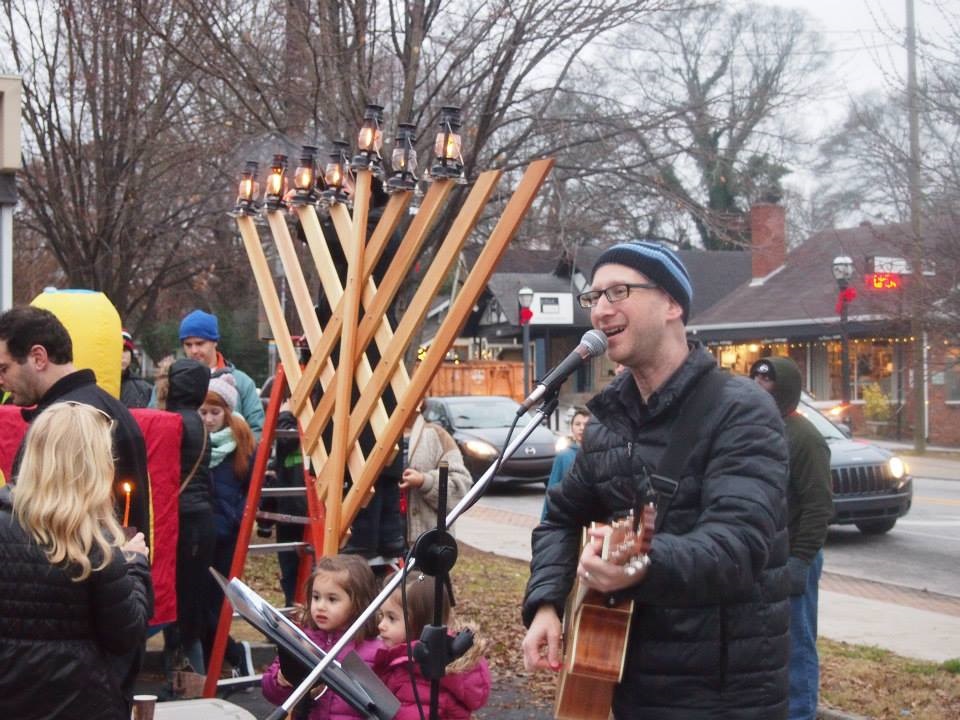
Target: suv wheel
<point>876,527</point>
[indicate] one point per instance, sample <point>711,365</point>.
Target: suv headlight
<point>898,468</point>
<point>480,449</point>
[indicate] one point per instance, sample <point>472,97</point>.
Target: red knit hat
<point>128,343</point>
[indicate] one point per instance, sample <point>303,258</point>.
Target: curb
<point>824,713</point>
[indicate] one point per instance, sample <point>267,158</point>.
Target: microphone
<point>592,344</point>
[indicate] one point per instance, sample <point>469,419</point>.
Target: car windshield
<point>820,422</point>
<point>465,414</point>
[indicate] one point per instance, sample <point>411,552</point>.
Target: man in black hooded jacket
<point>709,634</point>
<point>810,507</point>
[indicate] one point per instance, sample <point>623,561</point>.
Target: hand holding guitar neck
<point>616,556</point>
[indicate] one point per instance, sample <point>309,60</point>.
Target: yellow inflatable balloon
<point>95,329</point>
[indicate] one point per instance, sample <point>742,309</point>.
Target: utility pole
<point>917,330</point>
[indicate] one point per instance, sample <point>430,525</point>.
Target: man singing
<point>709,636</point>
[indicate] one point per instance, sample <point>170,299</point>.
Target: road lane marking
<point>936,500</point>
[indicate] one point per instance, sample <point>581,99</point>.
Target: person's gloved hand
<point>798,575</point>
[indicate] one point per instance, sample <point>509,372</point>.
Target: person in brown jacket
<point>429,444</point>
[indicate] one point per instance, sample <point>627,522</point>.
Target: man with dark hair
<point>36,368</point>
<point>709,635</point>
<point>809,509</point>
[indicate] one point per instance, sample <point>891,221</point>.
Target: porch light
<point>842,270</point>
<point>525,300</point>
<point>276,183</point>
<point>337,175</point>
<point>248,190</point>
<point>448,144</point>
<point>369,141</point>
<point>305,178</point>
<point>403,159</point>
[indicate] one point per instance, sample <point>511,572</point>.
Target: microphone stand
<point>466,502</point>
<point>437,551</point>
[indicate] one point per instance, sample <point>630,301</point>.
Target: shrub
<point>876,405</point>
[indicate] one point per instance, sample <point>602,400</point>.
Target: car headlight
<point>562,443</point>
<point>898,468</point>
<point>480,449</point>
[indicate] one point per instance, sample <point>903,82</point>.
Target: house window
<point>871,363</point>
<point>952,374</point>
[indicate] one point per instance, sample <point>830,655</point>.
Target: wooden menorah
<point>352,388</point>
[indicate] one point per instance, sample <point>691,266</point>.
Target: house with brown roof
<point>790,306</point>
<point>494,333</point>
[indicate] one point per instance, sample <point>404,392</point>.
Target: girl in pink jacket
<point>466,685</point>
<point>340,588</point>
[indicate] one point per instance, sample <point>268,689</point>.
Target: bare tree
<point>119,169</point>
<point>725,81</point>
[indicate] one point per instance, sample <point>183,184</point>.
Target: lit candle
<point>127,489</point>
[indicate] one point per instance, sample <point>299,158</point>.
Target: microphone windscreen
<point>595,341</point>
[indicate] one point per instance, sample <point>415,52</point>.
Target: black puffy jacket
<point>189,380</point>
<point>709,636</point>
<point>59,639</point>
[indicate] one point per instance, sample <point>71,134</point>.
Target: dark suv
<point>872,487</point>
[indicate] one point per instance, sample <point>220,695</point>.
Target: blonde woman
<point>75,595</point>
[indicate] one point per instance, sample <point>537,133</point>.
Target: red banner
<point>161,431</point>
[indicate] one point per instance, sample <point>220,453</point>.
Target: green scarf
<point>222,444</point>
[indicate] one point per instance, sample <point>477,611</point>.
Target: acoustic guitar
<point>596,629</point>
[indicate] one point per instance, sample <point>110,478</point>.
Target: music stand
<point>352,679</point>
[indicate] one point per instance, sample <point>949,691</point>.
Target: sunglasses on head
<point>102,413</point>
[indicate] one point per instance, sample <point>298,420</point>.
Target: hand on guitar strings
<point>621,568</point>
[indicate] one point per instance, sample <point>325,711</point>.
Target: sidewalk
<point>908,622</point>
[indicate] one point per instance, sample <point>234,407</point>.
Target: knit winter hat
<point>226,387</point>
<point>201,325</point>
<point>128,343</point>
<point>659,263</point>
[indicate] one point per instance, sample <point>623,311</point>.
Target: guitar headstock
<point>629,538</point>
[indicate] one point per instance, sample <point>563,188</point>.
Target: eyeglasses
<point>614,293</point>
<point>102,413</point>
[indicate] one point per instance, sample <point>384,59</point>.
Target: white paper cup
<point>143,707</point>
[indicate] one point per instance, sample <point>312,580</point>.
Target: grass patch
<point>859,679</point>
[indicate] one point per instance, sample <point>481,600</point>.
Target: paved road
<point>920,552</point>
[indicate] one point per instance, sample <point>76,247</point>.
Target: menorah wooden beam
<point>432,280</point>
<point>360,316</point>
<point>376,300</point>
<point>460,309</point>
<point>393,350</point>
<point>274,312</point>
<point>303,301</point>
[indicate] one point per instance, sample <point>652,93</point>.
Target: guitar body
<point>595,653</point>
<point>596,633</point>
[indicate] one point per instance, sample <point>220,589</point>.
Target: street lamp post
<point>525,300</point>
<point>842,271</point>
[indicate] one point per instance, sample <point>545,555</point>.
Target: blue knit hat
<point>199,324</point>
<point>658,262</point>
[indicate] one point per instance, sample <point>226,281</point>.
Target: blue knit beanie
<point>199,324</point>
<point>659,263</point>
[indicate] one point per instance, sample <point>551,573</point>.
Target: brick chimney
<point>768,238</point>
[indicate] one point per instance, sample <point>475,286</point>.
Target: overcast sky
<point>867,38</point>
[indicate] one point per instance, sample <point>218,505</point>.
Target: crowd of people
<point>724,602</point>
<point>82,467</point>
